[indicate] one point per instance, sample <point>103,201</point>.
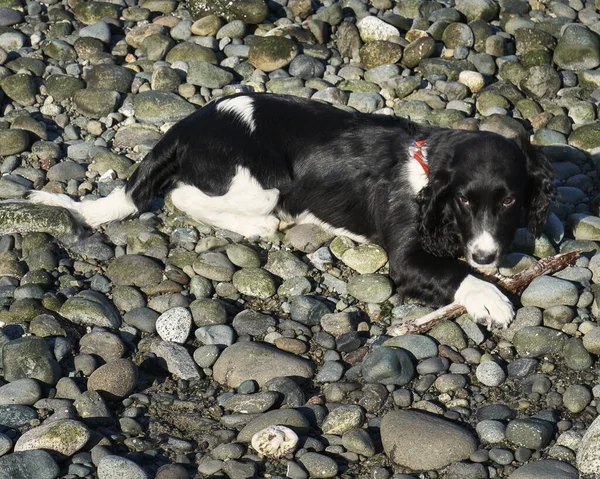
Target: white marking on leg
<point>484,302</point>
<point>306,217</point>
<point>116,206</point>
<point>245,209</point>
<point>242,107</point>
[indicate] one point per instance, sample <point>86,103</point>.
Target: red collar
<point>416,152</point>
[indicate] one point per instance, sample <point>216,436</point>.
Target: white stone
<point>372,29</point>
<point>473,80</point>
<point>275,441</point>
<point>174,325</point>
<point>588,454</point>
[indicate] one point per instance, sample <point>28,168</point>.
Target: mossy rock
<point>63,87</point>
<point>91,12</point>
<point>13,142</point>
<point>110,77</point>
<point>160,107</point>
<point>28,217</point>
<point>272,53</point>
<point>249,11</point>
<point>586,137</point>
<point>187,52</point>
<point>19,88</point>
<point>380,53</point>
<point>95,102</point>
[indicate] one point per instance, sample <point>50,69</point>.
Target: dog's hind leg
<point>246,208</point>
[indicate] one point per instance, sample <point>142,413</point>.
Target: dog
<point>428,195</point>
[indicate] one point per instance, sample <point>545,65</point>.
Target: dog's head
<point>481,187</point>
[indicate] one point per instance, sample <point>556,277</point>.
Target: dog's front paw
<point>484,302</point>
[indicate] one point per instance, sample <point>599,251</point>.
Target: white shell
<point>275,441</point>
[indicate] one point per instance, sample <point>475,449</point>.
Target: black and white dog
<point>428,195</point>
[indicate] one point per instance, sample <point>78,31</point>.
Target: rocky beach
<point>161,348</point>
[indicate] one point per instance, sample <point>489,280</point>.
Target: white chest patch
<point>416,176</point>
<point>242,108</point>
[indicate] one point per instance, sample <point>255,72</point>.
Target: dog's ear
<point>436,222</point>
<point>540,191</point>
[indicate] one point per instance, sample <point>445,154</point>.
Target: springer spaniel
<point>428,195</point>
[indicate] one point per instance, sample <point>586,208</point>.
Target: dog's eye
<point>463,199</point>
<point>508,201</point>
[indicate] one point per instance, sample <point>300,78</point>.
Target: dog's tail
<point>156,171</point>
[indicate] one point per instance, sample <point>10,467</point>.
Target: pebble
<point>174,325</point>
<point>319,465</point>
<point>29,464</point>
<point>112,467</point>
<point>490,374</point>
<point>22,391</point>
<point>116,379</point>
<point>387,365</point>
<point>242,361</point>
<point>440,441</point>
<point>64,436</point>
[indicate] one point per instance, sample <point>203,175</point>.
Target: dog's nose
<point>484,257</point>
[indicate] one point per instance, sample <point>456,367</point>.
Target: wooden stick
<point>515,284</point>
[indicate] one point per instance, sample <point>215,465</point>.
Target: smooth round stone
<point>342,419</point>
<point>450,382</point>
<point>419,345</point>
<point>372,29</point>
<point>576,398</point>
<point>308,310</point>
<point>427,441</point>
<point>243,256</point>
<point>359,441</point>
<point>531,433</point>
<point>490,374</point>
<point>366,258</point>
<point>576,356</point>
<point>206,75</point>
<point>433,366</point>
<point>254,282</point>
<point>135,270</point>
<point>208,312</point>
<point>251,403</point>
<point>547,469</point>
<point>205,356</point>
<point>22,391</point>
<point>6,445</point>
<point>547,291</point>
<point>501,456</point>
<point>215,266</point>
<point>252,323</point>
<point>330,371</point>
<point>16,416</point>
<point>36,464</point>
<point>536,341</point>
<point>319,465</point>
<point>490,431</point>
<point>389,366</point>
<point>114,467</point>
<point>174,325</point>
<point>104,344</point>
<point>285,265</point>
<point>271,53</point>
<point>29,357</point>
<point>115,380</point>
<point>370,288</point>
<point>64,436</point>
<point>242,361</point>
<point>220,334</point>
<point>306,67</point>
<point>142,318</point>
<point>591,341</point>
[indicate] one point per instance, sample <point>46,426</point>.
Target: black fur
<point>350,170</point>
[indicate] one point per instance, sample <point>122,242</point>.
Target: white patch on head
<point>116,206</point>
<point>417,178</point>
<point>484,302</point>
<point>246,208</point>
<point>241,107</point>
<point>483,244</point>
<point>308,218</point>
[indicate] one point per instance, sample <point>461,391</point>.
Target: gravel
<point>158,347</point>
